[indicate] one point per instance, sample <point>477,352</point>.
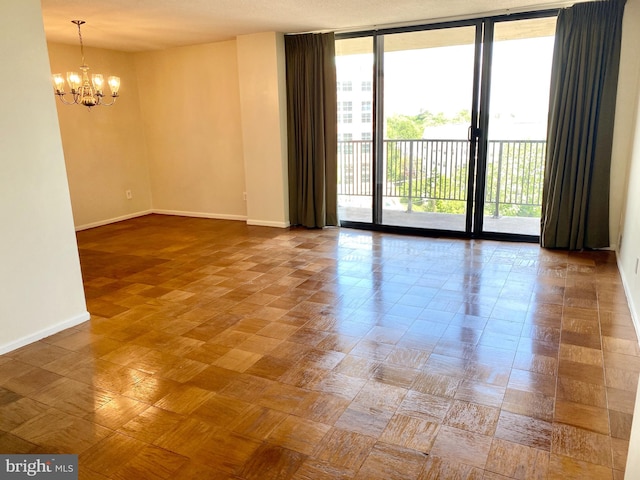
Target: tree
<point>521,166</point>
<point>411,127</point>
<point>404,127</point>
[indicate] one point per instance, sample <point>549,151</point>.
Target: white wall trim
<point>46,332</point>
<point>182,213</point>
<point>216,216</point>
<point>627,291</point>
<point>267,223</point>
<point>108,221</point>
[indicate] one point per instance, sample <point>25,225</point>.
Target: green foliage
<point>514,177</point>
<point>404,127</point>
<point>441,206</point>
<point>516,172</point>
<point>463,116</point>
<point>515,183</point>
<point>411,127</point>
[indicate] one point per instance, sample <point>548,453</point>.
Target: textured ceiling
<point>138,25</point>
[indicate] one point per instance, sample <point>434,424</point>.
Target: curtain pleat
<point>312,129</point>
<point>584,77</point>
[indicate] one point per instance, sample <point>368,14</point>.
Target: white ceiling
<point>138,25</point>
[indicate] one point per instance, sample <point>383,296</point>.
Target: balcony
<point>425,183</point>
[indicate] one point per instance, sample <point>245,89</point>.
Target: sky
<point>440,80</point>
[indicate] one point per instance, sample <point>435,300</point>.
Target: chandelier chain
<point>78,23</point>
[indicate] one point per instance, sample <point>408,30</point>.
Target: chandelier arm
<point>61,97</point>
<point>107,104</point>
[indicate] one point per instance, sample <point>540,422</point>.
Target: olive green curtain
<point>312,129</point>
<point>584,77</point>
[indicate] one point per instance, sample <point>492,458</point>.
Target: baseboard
<point>112,220</point>
<point>216,216</point>
<point>266,223</point>
<point>182,213</point>
<point>627,291</point>
<point>223,216</point>
<point>46,332</point>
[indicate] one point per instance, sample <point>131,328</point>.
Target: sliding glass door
<point>404,149</point>
<point>427,103</point>
<point>442,128</point>
<point>521,56</point>
<point>354,67</point>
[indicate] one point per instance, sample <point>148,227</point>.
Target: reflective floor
<point>222,351</point>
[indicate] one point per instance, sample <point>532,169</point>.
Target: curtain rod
<point>454,18</point>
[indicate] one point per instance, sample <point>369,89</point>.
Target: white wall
<point>104,148</point>
<point>40,282</point>
<point>264,127</point>
<point>626,187</point>
<point>627,148</point>
<point>196,128</point>
<point>623,135</point>
<point>632,471</point>
<point>191,122</point>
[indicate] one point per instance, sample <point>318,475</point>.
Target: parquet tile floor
<point>218,350</point>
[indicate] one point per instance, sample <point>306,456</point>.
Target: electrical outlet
<point>244,196</point>
<point>128,194</point>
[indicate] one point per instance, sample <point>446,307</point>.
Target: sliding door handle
<point>473,133</point>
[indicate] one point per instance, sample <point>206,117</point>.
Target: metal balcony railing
<point>422,170</point>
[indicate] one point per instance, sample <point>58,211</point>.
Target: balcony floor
<point>442,221</point>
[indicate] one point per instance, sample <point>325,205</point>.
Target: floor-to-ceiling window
<point>442,127</point>
<point>354,66</point>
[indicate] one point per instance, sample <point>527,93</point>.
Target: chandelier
<point>83,91</point>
